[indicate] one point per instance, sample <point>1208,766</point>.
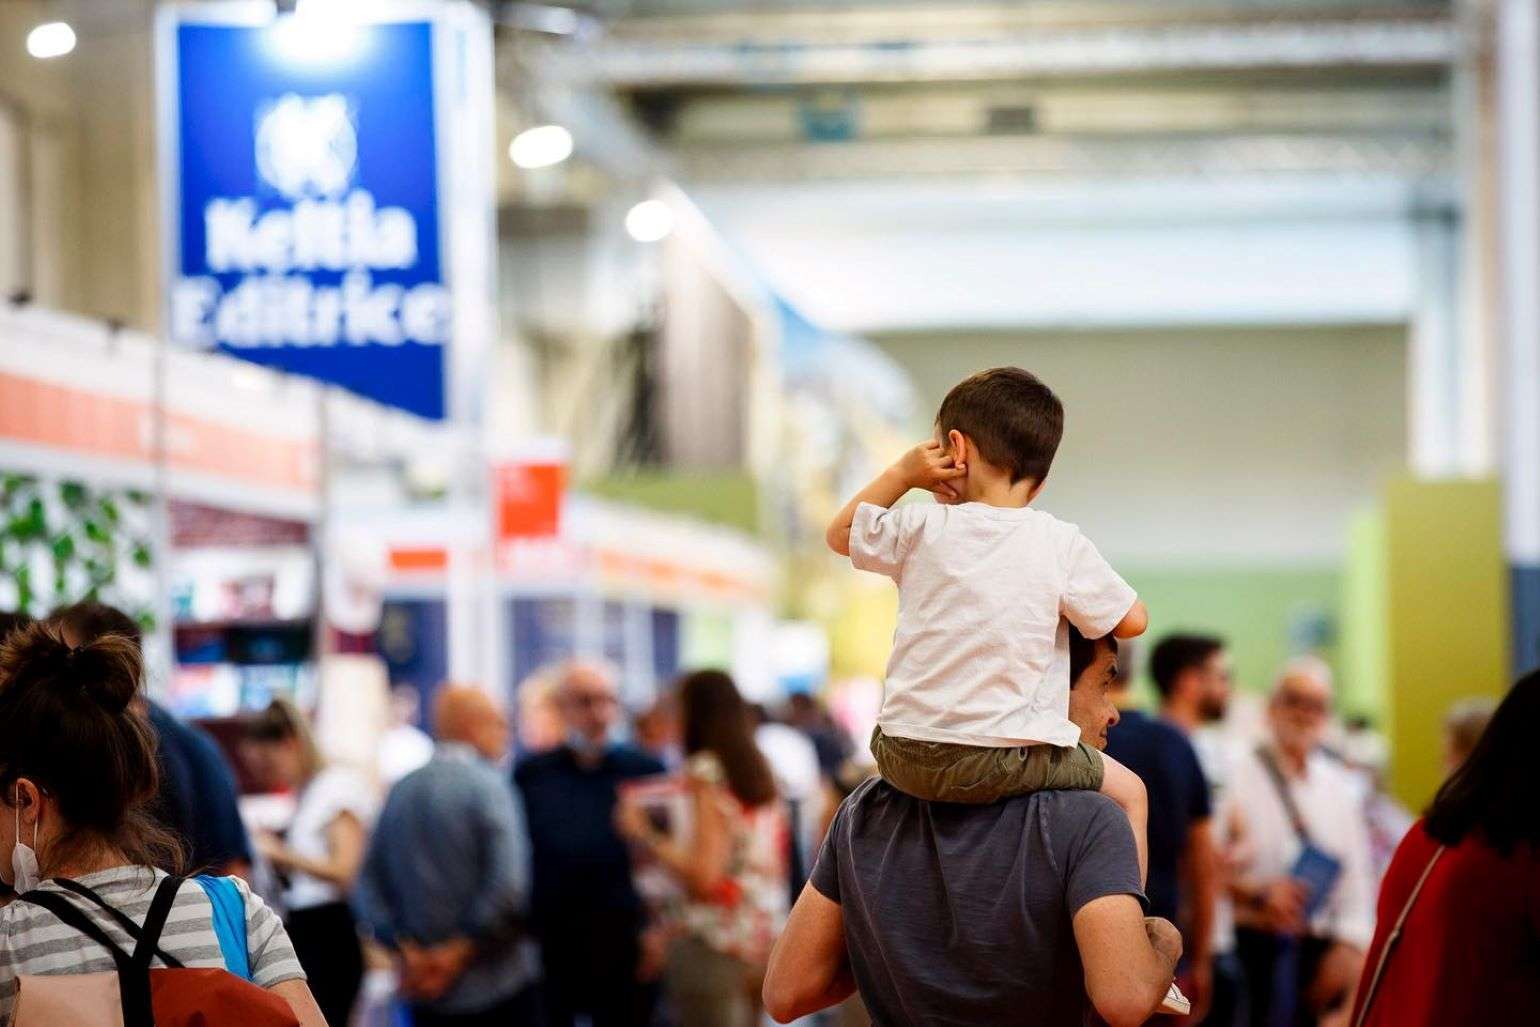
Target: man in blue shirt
<point>586,910</point>
<point>445,884</point>
<point>1182,882</point>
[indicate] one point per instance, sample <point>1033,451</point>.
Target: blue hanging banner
<point>304,202</point>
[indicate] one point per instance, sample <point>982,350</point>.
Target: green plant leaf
<point>24,589</point>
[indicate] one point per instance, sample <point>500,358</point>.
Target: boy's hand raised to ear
<point>927,466</point>
<point>930,466</point>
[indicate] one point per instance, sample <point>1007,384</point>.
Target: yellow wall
<point>1447,617</point>
<point>861,629</point>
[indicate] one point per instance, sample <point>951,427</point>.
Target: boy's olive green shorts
<point>946,772</point>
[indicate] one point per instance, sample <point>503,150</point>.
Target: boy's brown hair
<point>1012,417</point>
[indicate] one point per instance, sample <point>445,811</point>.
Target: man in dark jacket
<point>586,911</point>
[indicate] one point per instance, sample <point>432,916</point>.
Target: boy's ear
<point>957,443</point>
<point>1037,487</point>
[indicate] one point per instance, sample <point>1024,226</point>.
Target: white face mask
<point>24,872</point>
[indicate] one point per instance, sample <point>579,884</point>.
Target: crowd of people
<point>708,862</point>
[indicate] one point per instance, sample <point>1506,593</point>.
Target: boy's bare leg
<point>1125,788</point>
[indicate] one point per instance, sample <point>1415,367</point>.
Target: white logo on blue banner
<point>308,207</point>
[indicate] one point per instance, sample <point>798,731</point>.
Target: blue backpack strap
<point>229,922</point>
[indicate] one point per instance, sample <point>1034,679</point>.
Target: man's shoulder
<point>875,794</point>
<point>631,761</point>
<point>539,764</point>
<point>439,774</point>
<point>1337,774</point>
<point>1081,808</point>
<point>1170,737</point>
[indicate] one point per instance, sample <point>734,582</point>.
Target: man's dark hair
<point>1082,652</point>
<point>1491,795</point>
<point>1177,653</point>
<point>90,620</point>
<point>1012,417</point>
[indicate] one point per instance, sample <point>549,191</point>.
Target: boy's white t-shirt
<point>981,653</point>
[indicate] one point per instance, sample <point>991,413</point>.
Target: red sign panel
<point>527,499</point>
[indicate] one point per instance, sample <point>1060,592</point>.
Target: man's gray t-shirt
<point>962,914</point>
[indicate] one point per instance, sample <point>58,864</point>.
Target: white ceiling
<point>874,257</point>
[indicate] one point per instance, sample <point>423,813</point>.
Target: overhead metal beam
<point>1344,43</point>
<point>1416,155</point>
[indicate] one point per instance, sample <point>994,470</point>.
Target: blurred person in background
<point>808,714</point>
<point>1183,880</point>
<point>733,867</point>
<point>1365,752</point>
<point>656,730</point>
<point>587,913</point>
<point>1025,910</point>
<point>78,775</point>
<point>1300,968</point>
<point>1213,740</point>
<point>197,799</point>
<point>404,746</point>
<point>445,884</point>
<point>798,779</point>
<point>1458,940</point>
<point>319,854</point>
<point>539,720</point>
<point>1463,726</point>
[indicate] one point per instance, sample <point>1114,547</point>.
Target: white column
<point>1518,86</point>
<point>1433,355</point>
<point>1473,87</point>
<point>464,76</point>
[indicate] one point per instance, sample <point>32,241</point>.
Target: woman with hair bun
<point>77,772</point>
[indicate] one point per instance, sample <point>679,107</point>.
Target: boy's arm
<point>1134,621</point>
<point>925,466</point>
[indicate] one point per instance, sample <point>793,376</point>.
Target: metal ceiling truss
<point>1352,156</point>
<point>616,62</point>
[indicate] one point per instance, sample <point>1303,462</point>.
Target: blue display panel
<point>306,205</point>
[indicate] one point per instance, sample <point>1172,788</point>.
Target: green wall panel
<point>1265,614</point>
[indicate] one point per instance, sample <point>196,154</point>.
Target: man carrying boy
<point>975,704</point>
<point>1025,911</point>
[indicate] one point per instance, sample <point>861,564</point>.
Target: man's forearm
<point>836,991</point>
<point>1129,959</point>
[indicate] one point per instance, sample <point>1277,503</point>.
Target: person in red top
<point>1469,948</point>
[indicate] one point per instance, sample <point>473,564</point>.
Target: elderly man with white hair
<point>1304,893</point>
<point>586,909</point>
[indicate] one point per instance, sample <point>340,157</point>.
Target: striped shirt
<point>34,942</point>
